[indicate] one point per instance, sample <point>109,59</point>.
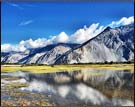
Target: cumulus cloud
<point>9,47</point>
<point>122,21</point>
<point>6,47</point>
<point>24,45</point>
<point>62,37</point>
<point>24,23</point>
<point>40,42</point>
<point>85,33</point>
<point>80,36</point>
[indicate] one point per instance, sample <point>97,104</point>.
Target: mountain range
<point>112,44</point>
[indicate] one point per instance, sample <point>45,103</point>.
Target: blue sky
<point>25,20</point>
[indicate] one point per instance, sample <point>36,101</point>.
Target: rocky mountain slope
<point>44,55</point>
<point>12,57</point>
<point>113,44</point>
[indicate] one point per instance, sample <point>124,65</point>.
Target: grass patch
<point>55,68</point>
<point>119,93</point>
<point>18,85</point>
<point>19,94</point>
<point>11,78</point>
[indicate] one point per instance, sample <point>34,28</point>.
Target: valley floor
<point>55,68</point>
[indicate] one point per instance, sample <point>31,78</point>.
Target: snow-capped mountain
<point>113,44</point>
<point>3,54</point>
<point>12,57</point>
<point>43,55</point>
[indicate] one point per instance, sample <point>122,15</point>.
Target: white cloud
<point>21,6</point>
<point>9,47</point>
<point>24,23</point>
<point>6,47</point>
<point>122,21</point>
<point>23,45</point>
<point>40,42</point>
<point>62,37</point>
<point>15,5</point>
<point>80,36</point>
<point>85,33</point>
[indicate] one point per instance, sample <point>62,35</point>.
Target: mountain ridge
<point>36,53</point>
<point>111,45</point>
<point>120,32</point>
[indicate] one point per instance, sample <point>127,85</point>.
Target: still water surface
<point>81,87</point>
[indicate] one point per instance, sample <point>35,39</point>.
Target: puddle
<point>82,87</point>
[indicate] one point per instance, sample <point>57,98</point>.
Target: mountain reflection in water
<point>86,87</point>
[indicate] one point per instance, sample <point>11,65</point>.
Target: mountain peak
<point>113,44</point>
<point>107,28</point>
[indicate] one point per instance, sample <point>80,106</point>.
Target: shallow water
<point>82,87</point>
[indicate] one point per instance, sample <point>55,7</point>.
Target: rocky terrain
<point>111,45</point>
<point>80,87</point>
<point>44,55</point>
